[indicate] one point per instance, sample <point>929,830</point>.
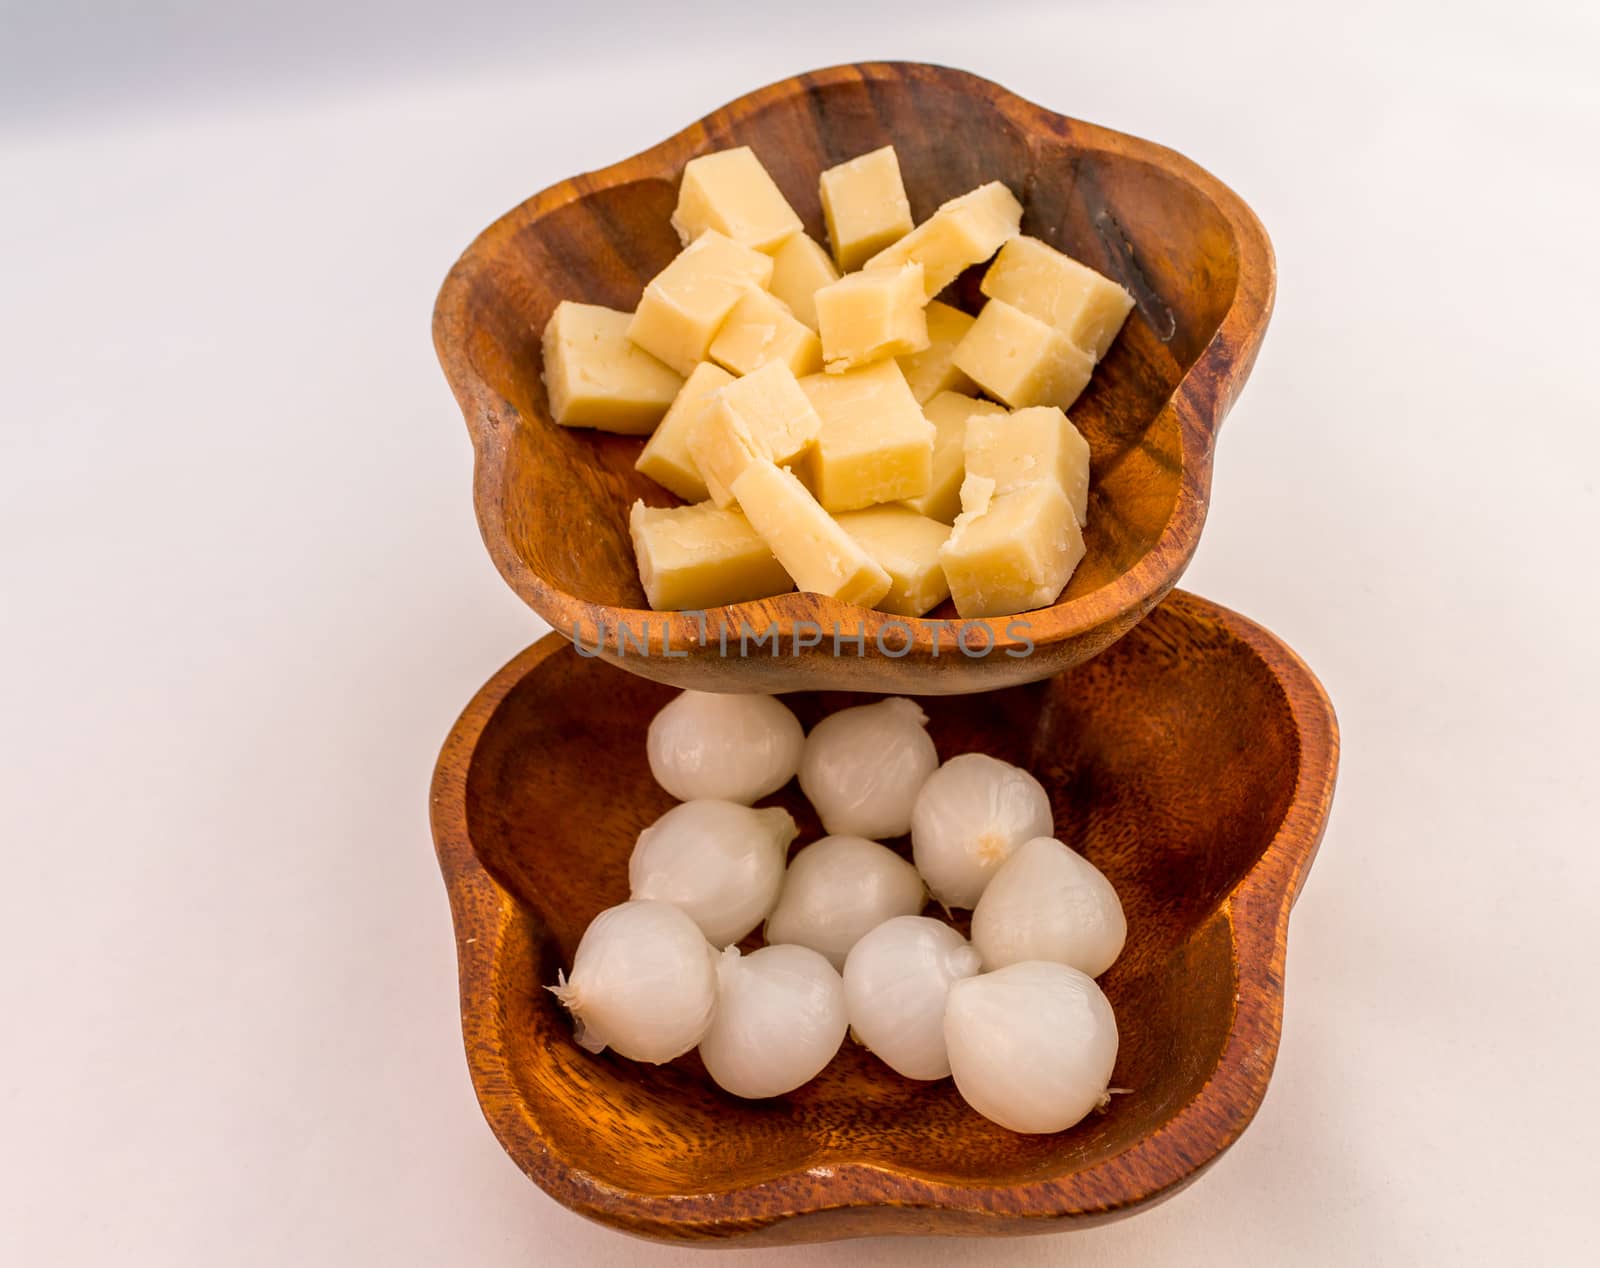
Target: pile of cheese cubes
<point>824,427</point>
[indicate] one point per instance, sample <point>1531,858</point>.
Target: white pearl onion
<point>862,768</point>
<point>780,1018</point>
<point>706,744</point>
<point>970,815</point>
<point>720,862</point>
<point>1048,902</point>
<point>1031,1045</point>
<point>896,980</point>
<point>838,889</point>
<point>643,982</point>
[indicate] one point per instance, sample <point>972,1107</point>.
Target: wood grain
<point>552,502</point>
<point>1193,762</point>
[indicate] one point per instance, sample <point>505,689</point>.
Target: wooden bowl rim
<point>1199,402</point>
<point>1156,1165</point>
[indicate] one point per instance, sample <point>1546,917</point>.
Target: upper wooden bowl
<point>1193,763</point>
<point>552,502</point>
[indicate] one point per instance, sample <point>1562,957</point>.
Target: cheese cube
<point>761,329</point>
<point>814,550</point>
<point>1021,360</point>
<point>687,301</point>
<point>964,231</point>
<point>906,546</point>
<point>1083,305</point>
<point>723,446</point>
<point>1010,552</point>
<point>948,412</point>
<point>701,557</point>
<point>764,415</point>
<point>666,458</point>
<point>864,203</point>
<point>801,268</point>
<point>731,192</point>
<point>874,444</point>
<point>932,370</point>
<point>869,316</point>
<point>594,377</point>
<point>976,494</point>
<point>1032,444</point>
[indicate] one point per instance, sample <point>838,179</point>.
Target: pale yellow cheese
<point>906,546</point>
<point>801,268</point>
<point>775,408</point>
<point>976,494</point>
<point>723,446</point>
<point>932,370</point>
<point>1033,444</point>
<point>764,415</point>
<point>948,412</point>
<point>1083,305</point>
<point>595,377</point>
<point>761,329</point>
<point>866,317</point>
<point>666,458</point>
<point>684,304</point>
<point>701,557</point>
<point>1021,360</point>
<point>731,192</point>
<point>864,203</point>
<point>1010,552</point>
<point>814,550</point>
<point>964,231</point>
<point>874,444</point>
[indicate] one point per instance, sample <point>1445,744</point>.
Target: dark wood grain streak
<point>1193,762</point>
<point>552,503</point>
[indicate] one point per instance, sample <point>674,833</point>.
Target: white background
<point>242,597</point>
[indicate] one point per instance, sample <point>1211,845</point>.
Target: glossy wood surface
<point>1193,763</point>
<point>552,502</point>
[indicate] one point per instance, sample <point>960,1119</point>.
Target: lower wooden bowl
<point>1193,762</point>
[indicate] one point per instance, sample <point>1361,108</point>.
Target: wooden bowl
<point>1193,763</point>
<point>552,502</point>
